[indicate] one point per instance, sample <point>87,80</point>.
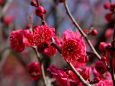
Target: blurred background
<point>13,66</point>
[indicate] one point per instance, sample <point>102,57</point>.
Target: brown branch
<point>41,66</point>
<point>81,31</point>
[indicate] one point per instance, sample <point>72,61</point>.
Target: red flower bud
<point>40,11</point>
<point>103,58</point>
<point>109,32</point>
<point>8,20</point>
<point>86,31</point>
<point>109,17</point>
<point>103,46</point>
<point>107,6</point>
<point>33,3</point>
<point>93,32</point>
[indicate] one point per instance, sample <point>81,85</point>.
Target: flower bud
<point>103,46</point>
<point>107,6</point>
<point>109,17</point>
<point>93,32</point>
<point>40,11</point>
<point>34,70</point>
<point>33,3</point>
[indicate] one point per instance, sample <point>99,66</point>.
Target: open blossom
<point>16,40</point>
<point>34,70</point>
<point>68,34</point>
<point>60,76</point>
<point>101,67</point>
<point>73,47</point>
<point>42,34</point>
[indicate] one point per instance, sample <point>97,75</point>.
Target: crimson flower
<point>34,70</point>
<point>60,76</point>
<point>101,67</point>
<point>42,34</point>
<point>72,50</point>
<point>16,40</point>
<point>73,47</point>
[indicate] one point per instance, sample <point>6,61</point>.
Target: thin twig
<point>38,55</point>
<point>41,66</point>
<point>78,75</point>
<point>81,31</point>
<point>5,8</point>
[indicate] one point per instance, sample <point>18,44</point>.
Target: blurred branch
<point>110,2</point>
<point>42,68</point>
<point>5,8</point>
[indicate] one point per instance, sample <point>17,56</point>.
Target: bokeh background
<point>13,66</point>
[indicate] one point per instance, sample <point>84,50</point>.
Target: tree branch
<point>81,31</point>
<point>5,8</point>
<point>41,66</point>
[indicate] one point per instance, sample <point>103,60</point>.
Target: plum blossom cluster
<point>41,38</point>
<point>68,78</point>
<point>73,50</point>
